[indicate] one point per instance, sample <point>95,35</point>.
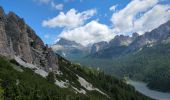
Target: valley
<point>141,60</point>
<point>85,50</point>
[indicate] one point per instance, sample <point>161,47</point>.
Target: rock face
<point>156,36</point>
<point>120,40</point>
<point>98,46</point>
<point>135,35</point>
<point>68,48</point>
<point>4,43</point>
<point>67,42</point>
<point>122,45</point>
<point>18,39</point>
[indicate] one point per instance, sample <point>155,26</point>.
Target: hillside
<point>145,59</point>
<point>30,70</point>
<point>18,82</point>
<point>150,65</point>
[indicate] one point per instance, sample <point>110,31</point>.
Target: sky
<point>89,21</point>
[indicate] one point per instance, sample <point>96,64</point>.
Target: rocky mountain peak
<point>98,46</point>
<point>120,40</point>
<point>134,35</point>
<point>151,38</point>
<point>2,11</point>
<point>64,41</point>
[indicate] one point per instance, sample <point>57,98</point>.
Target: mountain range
<point>139,57</point>
<point>30,70</point>
<point>105,49</point>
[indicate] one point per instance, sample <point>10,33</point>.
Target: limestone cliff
<point>18,39</point>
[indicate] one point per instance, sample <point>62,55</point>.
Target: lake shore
<point>142,88</point>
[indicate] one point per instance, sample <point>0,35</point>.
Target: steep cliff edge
<point>17,39</point>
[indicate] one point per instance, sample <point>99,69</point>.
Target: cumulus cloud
<point>92,32</point>
<point>152,19</point>
<point>123,20</point>
<point>43,1</point>
<point>113,8</point>
<point>138,16</point>
<point>71,19</point>
<point>57,6</point>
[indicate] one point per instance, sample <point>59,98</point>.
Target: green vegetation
<point>150,65</point>
<point>116,89</point>
<point>51,78</point>
<point>1,91</point>
<point>110,52</point>
<point>26,85</point>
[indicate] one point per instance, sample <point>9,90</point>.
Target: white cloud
<point>46,36</point>
<point>113,8</point>
<point>43,1</point>
<point>123,20</point>
<point>90,33</point>
<point>57,6</point>
<point>152,19</point>
<point>71,19</point>
<point>53,5</point>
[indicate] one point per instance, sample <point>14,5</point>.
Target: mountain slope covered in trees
<point>18,82</point>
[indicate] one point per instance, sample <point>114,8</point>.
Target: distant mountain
<point>98,46</point>
<point>122,45</point>
<point>151,38</point>
<point>66,42</point>
<point>120,40</point>
<point>69,49</point>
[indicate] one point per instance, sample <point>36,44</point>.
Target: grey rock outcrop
<point>154,37</point>
<point>4,43</point>
<point>98,46</point>
<point>120,40</point>
<point>18,39</point>
<point>68,48</point>
<point>122,45</point>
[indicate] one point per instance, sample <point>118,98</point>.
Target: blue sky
<point>96,20</point>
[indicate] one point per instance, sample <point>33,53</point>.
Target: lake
<point>142,88</point>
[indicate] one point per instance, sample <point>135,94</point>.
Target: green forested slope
<point>152,64</point>
<point>149,64</point>
<point>18,83</point>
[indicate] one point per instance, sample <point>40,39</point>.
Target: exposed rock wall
<point>4,44</point>
<point>17,38</point>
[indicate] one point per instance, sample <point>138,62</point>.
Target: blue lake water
<point>142,88</point>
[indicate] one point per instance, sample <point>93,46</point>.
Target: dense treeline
<point>151,65</point>
<point>115,88</point>
<point>26,85</point>
<point>19,83</point>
